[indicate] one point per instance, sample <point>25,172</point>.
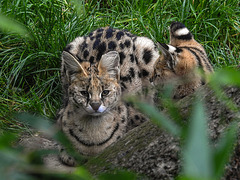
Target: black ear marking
<point>169,53</point>
<point>164,49</point>
<point>163,45</point>
<point>178,50</point>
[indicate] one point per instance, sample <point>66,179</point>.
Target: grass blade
<point>197,153</point>
<point>157,117</point>
<point>9,25</point>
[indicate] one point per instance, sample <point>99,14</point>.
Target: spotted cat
<point>97,70</point>
<point>179,61</point>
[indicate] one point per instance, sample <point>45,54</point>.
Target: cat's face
<point>96,88</point>
<point>95,94</point>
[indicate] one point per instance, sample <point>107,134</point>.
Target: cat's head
<point>175,60</point>
<point>94,88</point>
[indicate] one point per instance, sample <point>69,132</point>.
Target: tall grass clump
<point>33,34</point>
<point>29,74</point>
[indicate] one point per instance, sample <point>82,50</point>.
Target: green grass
<point>29,74</point>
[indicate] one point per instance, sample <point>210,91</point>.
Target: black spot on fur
<point>90,34</point>
<point>131,72</point>
<point>92,38</point>
<point>96,43</point>
<point>101,49</point>
<point>147,56</point>
<point>127,43</point>
<point>122,57</point>
<point>132,121</point>
<point>100,30</point>
<point>123,120</point>
<point>122,45</point>
<point>137,117</point>
<point>109,33</point>
<point>112,45</point>
<point>119,35</point>
<point>143,73</point>
<point>134,47</point>
<point>69,113</point>
<point>85,54</point>
<point>132,58</point>
<point>129,34</point>
<point>119,110</point>
<point>136,59</point>
<point>118,137</point>
<point>125,78</point>
<point>68,48</point>
<point>98,36</point>
<point>84,45</point>
<point>143,119</point>
<point>91,60</point>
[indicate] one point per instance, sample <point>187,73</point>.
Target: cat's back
<point>137,54</point>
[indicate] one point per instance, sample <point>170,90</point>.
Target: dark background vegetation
<point>33,34</point>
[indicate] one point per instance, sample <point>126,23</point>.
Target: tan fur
<point>97,71</point>
<point>180,67</point>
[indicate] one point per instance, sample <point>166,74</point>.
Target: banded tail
<point>179,32</point>
<point>180,58</point>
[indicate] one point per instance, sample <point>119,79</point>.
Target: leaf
<point>226,76</point>
<point>224,148</point>
<point>79,6</point>
<point>38,122</point>
<point>119,175</point>
<point>9,25</point>
<point>83,174</point>
<point>6,140</point>
<point>46,127</point>
<point>157,117</point>
<point>221,78</point>
<point>197,155</point>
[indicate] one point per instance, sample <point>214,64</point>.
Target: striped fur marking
<point>85,143</point>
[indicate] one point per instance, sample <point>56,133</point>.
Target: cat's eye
<point>84,93</point>
<point>105,92</point>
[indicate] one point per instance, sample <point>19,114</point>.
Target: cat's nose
<point>95,105</point>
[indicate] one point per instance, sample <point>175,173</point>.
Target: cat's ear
<point>110,64</point>
<point>71,64</point>
<point>169,53</point>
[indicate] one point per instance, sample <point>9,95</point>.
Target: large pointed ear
<point>110,64</point>
<point>169,52</point>
<point>164,49</point>
<point>71,64</point>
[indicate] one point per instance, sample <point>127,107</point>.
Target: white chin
<point>101,110</point>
